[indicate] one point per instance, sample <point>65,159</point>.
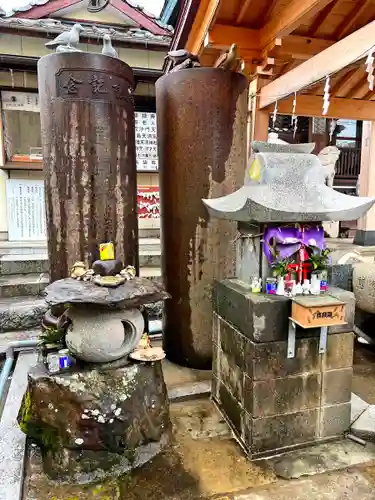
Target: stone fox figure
<point>328,157</point>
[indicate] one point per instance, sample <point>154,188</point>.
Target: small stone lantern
<point>106,414</point>
<point>280,387</point>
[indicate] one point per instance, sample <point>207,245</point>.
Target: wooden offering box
<point>317,311</point>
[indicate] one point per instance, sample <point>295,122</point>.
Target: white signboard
<point>20,101</point>
<point>26,210</point>
<point>146,141</point>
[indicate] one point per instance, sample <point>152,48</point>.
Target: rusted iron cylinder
<point>87,118</point>
<point>202,130</point>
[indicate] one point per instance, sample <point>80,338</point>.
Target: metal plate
<point>291,339</point>
<point>323,339</point>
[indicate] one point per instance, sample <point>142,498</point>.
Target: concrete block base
<point>273,403</point>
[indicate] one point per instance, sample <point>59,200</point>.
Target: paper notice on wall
<point>26,210</point>
<point>148,202</point>
<point>20,101</point>
<point>146,141</point>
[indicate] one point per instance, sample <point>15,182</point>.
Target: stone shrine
<point>281,386</point>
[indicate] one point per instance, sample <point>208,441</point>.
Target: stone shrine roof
<point>290,187</point>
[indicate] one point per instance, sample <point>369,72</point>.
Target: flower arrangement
<point>320,260</point>
<point>280,268</point>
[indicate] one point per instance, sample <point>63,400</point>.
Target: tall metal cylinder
<point>87,118</point>
<point>202,131</point>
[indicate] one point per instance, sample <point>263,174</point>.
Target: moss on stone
<point>44,435</point>
<point>25,412</point>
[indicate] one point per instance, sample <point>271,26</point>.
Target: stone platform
<point>273,403</point>
<point>91,424</point>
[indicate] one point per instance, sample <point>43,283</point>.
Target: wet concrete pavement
<point>205,462</point>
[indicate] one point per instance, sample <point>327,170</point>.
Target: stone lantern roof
<point>287,187</point>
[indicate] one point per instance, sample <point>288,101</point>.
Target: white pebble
<point>85,417</point>
<point>101,419</point>
<point>78,441</point>
<point>95,412</point>
<point>50,406</point>
<point>86,411</point>
<point>113,407</point>
<point>111,420</point>
<point>56,410</point>
<point>117,412</point>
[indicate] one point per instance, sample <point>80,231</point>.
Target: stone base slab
<point>92,424</point>
<point>264,318</point>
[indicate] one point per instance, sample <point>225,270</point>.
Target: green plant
<point>52,336</point>
<point>280,267</point>
<point>320,260</point>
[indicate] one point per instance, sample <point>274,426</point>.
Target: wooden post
<point>259,118</point>
<point>365,235</point>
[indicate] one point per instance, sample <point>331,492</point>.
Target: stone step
<point>21,285</point>
<point>28,264</point>
<point>21,313</point>
<point>24,285</point>
<point>40,247</point>
<point>23,264</point>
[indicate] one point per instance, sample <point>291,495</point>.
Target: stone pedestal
<point>273,403</point>
<point>93,424</point>
<point>202,116</point>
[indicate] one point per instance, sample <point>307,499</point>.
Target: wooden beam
<point>203,20</point>
<point>290,17</point>
<point>321,17</point>
<point>329,61</point>
<point>289,47</point>
<point>351,19</point>
<point>344,81</point>
<point>359,90</point>
<point>299,47</point>
<point>307,105</point>
<point>267,12</point>
<point>222,36</point>
<point>244,9</point>
<point>267,65</point>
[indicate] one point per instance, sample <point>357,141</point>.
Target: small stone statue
<point>328,157</point>
<point>306,287</point>
<point>108,49</point>
<point>256,285</point>
<point>228,60</point>
<point>78,271</point>
<point>67,41</point>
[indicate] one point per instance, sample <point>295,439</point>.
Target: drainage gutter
<point>9,361</point>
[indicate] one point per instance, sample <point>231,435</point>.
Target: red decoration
<point>302,270</point>
<point>148,198</point>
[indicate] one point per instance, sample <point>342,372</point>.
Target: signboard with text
<point>146,141</point>
<point>26,210</point>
